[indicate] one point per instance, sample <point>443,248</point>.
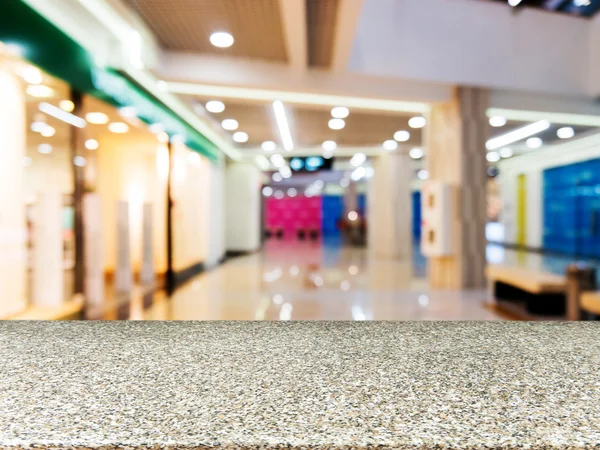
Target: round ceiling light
<point>291,192</point>
<point>416,153</point>
<point>340,112</point>
<point>534,142</point>
<point>91,144</point>
<point>267,191</point>
<point>417,122</point>
<point>48,131</point>
<point>337,124</point>
<point>39,91</point>
<point>269,146</point>
<point>565,132</point>
<point>66,105</point>
<point>215,106</point>
<point>506,152</point>
<point>390,145</point>
<point>230,124</point>
<point>402,135</point>
<point>277,177</point>
<point>422,174</point>
<point>96,118</point>
<point>492,157</point>
<point>240,136</point>
<point>45,149</point>
<point>33,75</point>
<point>118,127</point>
<point>497,121</point>
<point>329,145</point>
<point>221,39</point>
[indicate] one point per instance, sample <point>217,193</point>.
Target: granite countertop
<point>309,385</point>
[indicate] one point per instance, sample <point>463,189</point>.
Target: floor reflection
<point>293,280</point>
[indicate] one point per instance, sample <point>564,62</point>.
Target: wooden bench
<point>590,302</point>
<point>542,292</point>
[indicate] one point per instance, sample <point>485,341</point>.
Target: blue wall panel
<point>416,215</point>
<point>572,209</point>
<point>333,208</point>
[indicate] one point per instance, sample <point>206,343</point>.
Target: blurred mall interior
<point>299,159</point>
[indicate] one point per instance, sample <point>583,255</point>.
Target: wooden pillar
<point>456,136</point>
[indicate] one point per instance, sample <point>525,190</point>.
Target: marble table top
<point>299,385</point>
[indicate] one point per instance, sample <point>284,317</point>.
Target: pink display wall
<point>294,213</point>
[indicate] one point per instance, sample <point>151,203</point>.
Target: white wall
<point>476,43</point>
<point>532,166</point>
<point>216,216</point>
<point>12,199</point>
<point>242,200</point>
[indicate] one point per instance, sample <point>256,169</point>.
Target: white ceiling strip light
<point>517,135</point>
<point>282,123</point>
<point>60,114</point>
<point>296,97</point>
<point>584,120</point>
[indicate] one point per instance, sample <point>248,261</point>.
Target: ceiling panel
<point>548,136</point>
<point>321,18</point>
<point>582,8</point>
<point>309,124</point>
<point>362,128</point>
<point>186,25</point>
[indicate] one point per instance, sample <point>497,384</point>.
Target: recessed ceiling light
<point>33,75</point>
<point>230,124</point>
<point>514,2</point>
<point>215,106</point>
<point>39,91</point>
<point>337,124</point>
<point>277,177</point>
<point>580,3</point>
<point>340,112</point>
<point>291,192</point>
<point>96,118</point>
<point>48,131</point>
<point>565,132</point>
<point>118,127</point>
<point>91,144</point>
<point>327,154</point>
<point>285,171</point>
<point>156,128</point>
<point>240,136</point>
<point>534,142</point>
<point>416,153</point>
<point>402,135</point>
<point>497,121</point>
<point>269,146</point>
<point>37,127</point>
<point>417,122</point>
<point>221,39</point>
<point>79,161</point>
<point>390,145</point>
<point>66,105</point>
<point>277,160</point>
<point>278,195</point>
<point>45,149</point>
<point>492,157</point>
<point>506,152</point>
<point>267,191</point>
<point>344,182</point>
<point>422,174</point>
<point>358,159</point>
<point>329,145</point>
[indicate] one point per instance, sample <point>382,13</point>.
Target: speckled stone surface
<point>317,385</point>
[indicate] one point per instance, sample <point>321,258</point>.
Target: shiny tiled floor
<point>309,281</point>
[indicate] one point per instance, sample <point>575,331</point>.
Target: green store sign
<point>50,49</point>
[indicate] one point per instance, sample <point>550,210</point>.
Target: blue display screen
<point>310,164</point>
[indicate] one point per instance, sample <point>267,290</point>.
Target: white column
<point>48,269</point>
<point>13,260</point>
<point>216,215</point>
<point>242,205</point>
<point>389,207</point>
<point>124,273</point>
<point>94,253</point>
<point>147,271</point>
